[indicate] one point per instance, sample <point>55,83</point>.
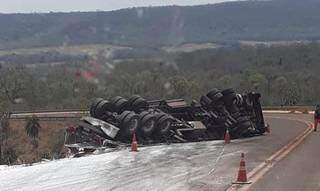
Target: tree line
<point>285,75</point>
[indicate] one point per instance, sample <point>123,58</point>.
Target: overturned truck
<point>170,121</point>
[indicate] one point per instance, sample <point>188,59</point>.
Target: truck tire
<point>128,123</point>
<point>94,105</point>
<point>131,100</point>
<point>123,115</point>
<point>139,104</point>
<point>229,96</point>
<point>164,125</point>
<point>119,104</point>
<point>215,95</point>
<point>147,124</point>
<point>101,108</point>
<point>229,99</point>
<point>242,127</point>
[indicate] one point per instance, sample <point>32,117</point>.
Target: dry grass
<point>50,133</point>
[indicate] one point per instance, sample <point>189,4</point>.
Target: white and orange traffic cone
<point>227,137</point>
<point>242,173</point>
<point>134,144</point>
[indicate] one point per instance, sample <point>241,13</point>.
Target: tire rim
<point>148,126</point>
<point>133,124</point>
<point>165,126</point>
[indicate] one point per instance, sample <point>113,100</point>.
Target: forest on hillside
<point>224,23</point>
<point>285,75</point>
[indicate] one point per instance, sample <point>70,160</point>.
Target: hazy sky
<point>10,6</point>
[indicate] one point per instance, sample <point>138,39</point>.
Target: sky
<point>27,6</point>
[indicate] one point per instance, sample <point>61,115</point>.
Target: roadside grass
<point>51,140</point>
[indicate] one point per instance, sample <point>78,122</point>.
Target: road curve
<point>300,170</point>
<point>192,166</point>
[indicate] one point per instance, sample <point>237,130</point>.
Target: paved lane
<point>256,150</point>
<point>300,170</point>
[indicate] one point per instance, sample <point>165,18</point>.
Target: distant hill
<point>163,26</point>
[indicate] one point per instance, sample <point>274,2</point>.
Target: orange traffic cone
<point>242,173</point>
<point>134,144</point>
<point>227,137</point>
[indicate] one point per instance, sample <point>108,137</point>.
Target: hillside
<point>154,26</point>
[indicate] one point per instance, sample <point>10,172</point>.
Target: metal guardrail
<point>85,110</point>
<point>49,111</point>
<point>49,114</point>
<point>291,109</point>
<point>46,118</point>
<point>78,113</point>
<point>288,108</point>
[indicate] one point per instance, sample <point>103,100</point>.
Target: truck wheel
<point>128,123</point>
<point>131,100</point>
<point>228,91</point>
<point>229,96</point>
<point>123,115</point>
<point>140,104</point>
<point>101,108</point>
<point>164,125</point>
<point>147,123</point>
<point>242,128</point>
<point>94,105</point>
<point>215,95</point>
<point>119,104</point>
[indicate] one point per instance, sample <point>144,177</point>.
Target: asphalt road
<point>300,170</point>
<point>284,128</point>
<point>192,166</point>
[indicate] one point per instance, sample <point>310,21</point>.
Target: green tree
<point>13,83</point>
<point>253,81</point>
<point>4,135</point>
<point>279,87</point>
<point>291,94</point>
<point>32,129</point>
